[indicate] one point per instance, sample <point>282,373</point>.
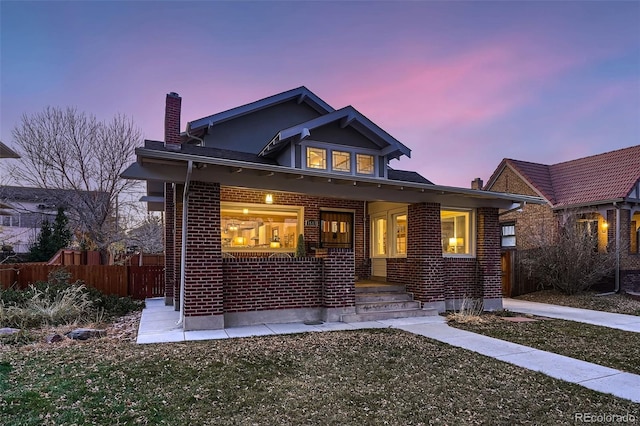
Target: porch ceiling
<point>161,166</point>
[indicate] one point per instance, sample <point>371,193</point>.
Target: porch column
<point>203,307</point>
<point>169,238</point>
<point>177,244</point>
<point>339,288</point>
<point>425,264</point>
<point>488,256</point>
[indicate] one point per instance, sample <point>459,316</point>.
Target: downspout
<point>183,250</point>
<point>616,288</point>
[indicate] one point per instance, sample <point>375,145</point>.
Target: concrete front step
<point>386,305</point>
<point>382,297</point>
<point>379,288</point>
<point>377,316</point>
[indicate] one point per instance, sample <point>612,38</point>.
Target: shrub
<point>571,263</point>
<point>470,311</point>
<point>301,250</point>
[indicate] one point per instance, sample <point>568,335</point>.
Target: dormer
<point>344,142</point>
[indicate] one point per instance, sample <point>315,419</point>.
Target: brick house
<point>238,188</point>
<point>602,190</point>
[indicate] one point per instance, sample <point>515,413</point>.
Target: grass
<point>617,303</point>
<point>600,345</point>
<point>334,378</point>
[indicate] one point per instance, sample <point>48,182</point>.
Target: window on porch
<point>457,233</point>
<point>255,227</point>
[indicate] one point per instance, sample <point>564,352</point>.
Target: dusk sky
<point>463,84</point>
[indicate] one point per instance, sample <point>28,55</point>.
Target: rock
<point>9,330</point>
<point>54,338</point>
<point>85,333</point>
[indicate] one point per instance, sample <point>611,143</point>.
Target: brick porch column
<point>425,264</point>
<point>488,256</point>
<point>169,243</point>
<point>177,244</point>
<point>203,289</point>
<point>339,287</point>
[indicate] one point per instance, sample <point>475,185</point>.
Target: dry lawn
<point>617,303</point>
<point>334,378</point>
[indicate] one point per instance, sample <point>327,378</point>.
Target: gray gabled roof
<point>301,94</point>
<point>6,152</point>
<point>348,116</point>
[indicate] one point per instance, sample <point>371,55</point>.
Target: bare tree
<point>149,235</point>
<point>69,149</point>
<point>569,261</point>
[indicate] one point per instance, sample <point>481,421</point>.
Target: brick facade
<point>538,225</point>
<point>257,284</point>
<point>203,290</point>
<point>488,255</point>
<point>425,264</point>
<point>312,207</point>
<point>169,243</point>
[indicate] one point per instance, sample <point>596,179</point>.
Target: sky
<point>462,84</point>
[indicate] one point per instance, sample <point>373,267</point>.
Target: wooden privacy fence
<point>136,281</point>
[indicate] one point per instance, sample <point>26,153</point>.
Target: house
<point>6,152</point>
<point>23,209</point>
<point>238,188</point>
<point>602,190</point>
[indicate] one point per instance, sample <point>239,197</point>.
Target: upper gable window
<point>364,164</point>
<point>316,158</point>
<point>341,161</point>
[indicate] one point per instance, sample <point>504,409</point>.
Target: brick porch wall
<point>169,243</point>
<point>256,284</point>
<point>424,265</point>
<point>339,290</point>
<point>177,244</point>
<point>312,206</point>
<point>461,278</point>
<point>203,290</point>
<point>488,256</point>
<point>397,270</point>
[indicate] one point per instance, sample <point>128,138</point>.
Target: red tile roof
<point>593,179</point>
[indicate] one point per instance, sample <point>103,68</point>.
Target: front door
<point>336,229</point>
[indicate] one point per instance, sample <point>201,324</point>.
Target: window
<point>341,161</point>
<point>259,227</point>
<point>634,240</point>
<point>400,234</point>
<point>456,232</point>
<point>379,236</point>
<point>364,164</point>
<point>336,229</point>
<point>508,233</point>
<point>316,158</point>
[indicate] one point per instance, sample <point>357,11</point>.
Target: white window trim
<point>308,143</point>
<point>471,232</point>
<point>392,225</point>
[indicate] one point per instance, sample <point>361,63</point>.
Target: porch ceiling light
<point>268,199</point>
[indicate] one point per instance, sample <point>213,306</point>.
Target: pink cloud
<point>476,85</point>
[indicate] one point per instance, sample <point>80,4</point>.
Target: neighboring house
<point>6,152</point>
<point>23,209</point>
<point>238,187</point>
<point>603,190</point>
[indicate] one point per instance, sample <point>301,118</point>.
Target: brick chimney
<point>477,183</point>
<point>172,122</point>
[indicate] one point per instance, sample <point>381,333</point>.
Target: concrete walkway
<point>604,319</point>
<point>158,325</point>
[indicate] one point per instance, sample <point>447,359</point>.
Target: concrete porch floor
<point>158,325</point>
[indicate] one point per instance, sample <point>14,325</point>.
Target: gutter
<point>183,250</point>
<point>443,190</point>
